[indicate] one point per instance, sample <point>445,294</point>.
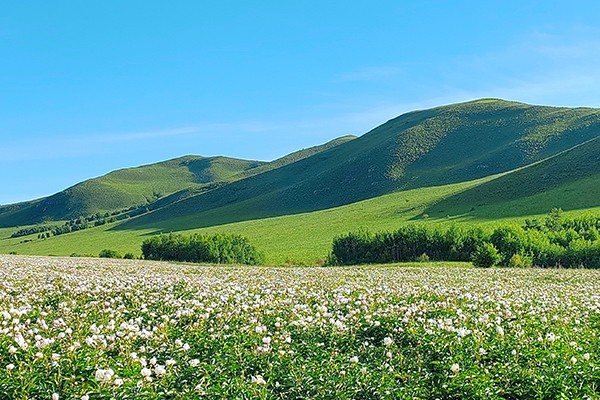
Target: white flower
<point>388,354</point>
<point>194,363</point>
<point>160,370</point>
<point>146,372</point>
<point>104,375</point>
<point>387,341</point>
<point>85,397</point>
<point>455,368</point>
<point>573,360</point>
<point>55,396</point>
<point>586,356</point>
<point>354,359</point>
<point>500,330</point>
<point>10,367</point>
<point>259,380</point>
<point>462,332</point>
<point>118,382</point>
<point>12,350</point>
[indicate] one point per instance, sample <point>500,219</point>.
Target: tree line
<point>552,242</point>
<point>219,249</point>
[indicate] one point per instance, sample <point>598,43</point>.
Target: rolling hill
<point>471,163</point>
<point>154,185</point>
<point>125,188</point>
<point>569,180</point>
<point>440,146</point>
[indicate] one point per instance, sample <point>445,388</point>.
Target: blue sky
<point>89,87</point>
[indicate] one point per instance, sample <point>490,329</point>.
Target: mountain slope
<point>448,144</point>
<point>155,185</point>
<point>569,180</point>
<point>125,188</point>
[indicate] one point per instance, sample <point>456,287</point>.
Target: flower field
<point>101,329</point>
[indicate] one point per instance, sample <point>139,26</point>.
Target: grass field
<point>306,238</point>
<point>100,329</point>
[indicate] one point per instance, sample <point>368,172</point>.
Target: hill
<point>569,180</point>
<point>153,186</point>
<point>125,188</point>
<point>440,146</point>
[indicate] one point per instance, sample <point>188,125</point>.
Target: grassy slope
<point>125,188</point>
<point>302,237</point>
<point>448,144</point>
<point>305,238</point>
<point>570,180</point>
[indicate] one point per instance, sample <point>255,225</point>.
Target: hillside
<point>569,180</point>
<point>444,145</point>
<point>125,188</point>
<point>155,186</point>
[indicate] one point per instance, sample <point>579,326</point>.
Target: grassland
<point>102,329</point>
<point>306,238</point>
<point>521,162</point>
<point>415,150</point>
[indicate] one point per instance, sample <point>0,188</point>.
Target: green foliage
<point>423,258</point>
<point>129,256</point>
<point>560,242</point>
<point>219,249</point>
<point>486,256</point>
<point>409,243</point>
<point>107,253</point>
<point>31,230</point>
<point>520,261</point>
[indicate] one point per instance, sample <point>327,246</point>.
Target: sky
<point>87,87</point>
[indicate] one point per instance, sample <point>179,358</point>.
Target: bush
<point>129,256</point>
<point>107,253</point>
<point>486,256</point>
<point>422,258</point>
<point>519,261</point>
<point>218,249</point>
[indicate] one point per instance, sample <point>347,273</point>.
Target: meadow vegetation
<point>554,242</point>
<point>198,248</point>
<point>100,329</point>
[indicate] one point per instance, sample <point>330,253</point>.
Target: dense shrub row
<point>553,242</point>
<point>30,231</point>
<point>81,223</point>
<point>219,249</point>
<point>408,243</point>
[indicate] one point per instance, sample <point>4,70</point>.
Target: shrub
<point>219,249</point>
<point>107,253</point>
<point>129,256</point>
<point>422,258</point>
<point>519,261</point>
<point>486,256</point>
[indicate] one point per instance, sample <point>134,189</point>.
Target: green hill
<point>444,145</point>
<point>569,180</point>
<point>125,188</point>
<point>155,186</point>
<point>481,162</point>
